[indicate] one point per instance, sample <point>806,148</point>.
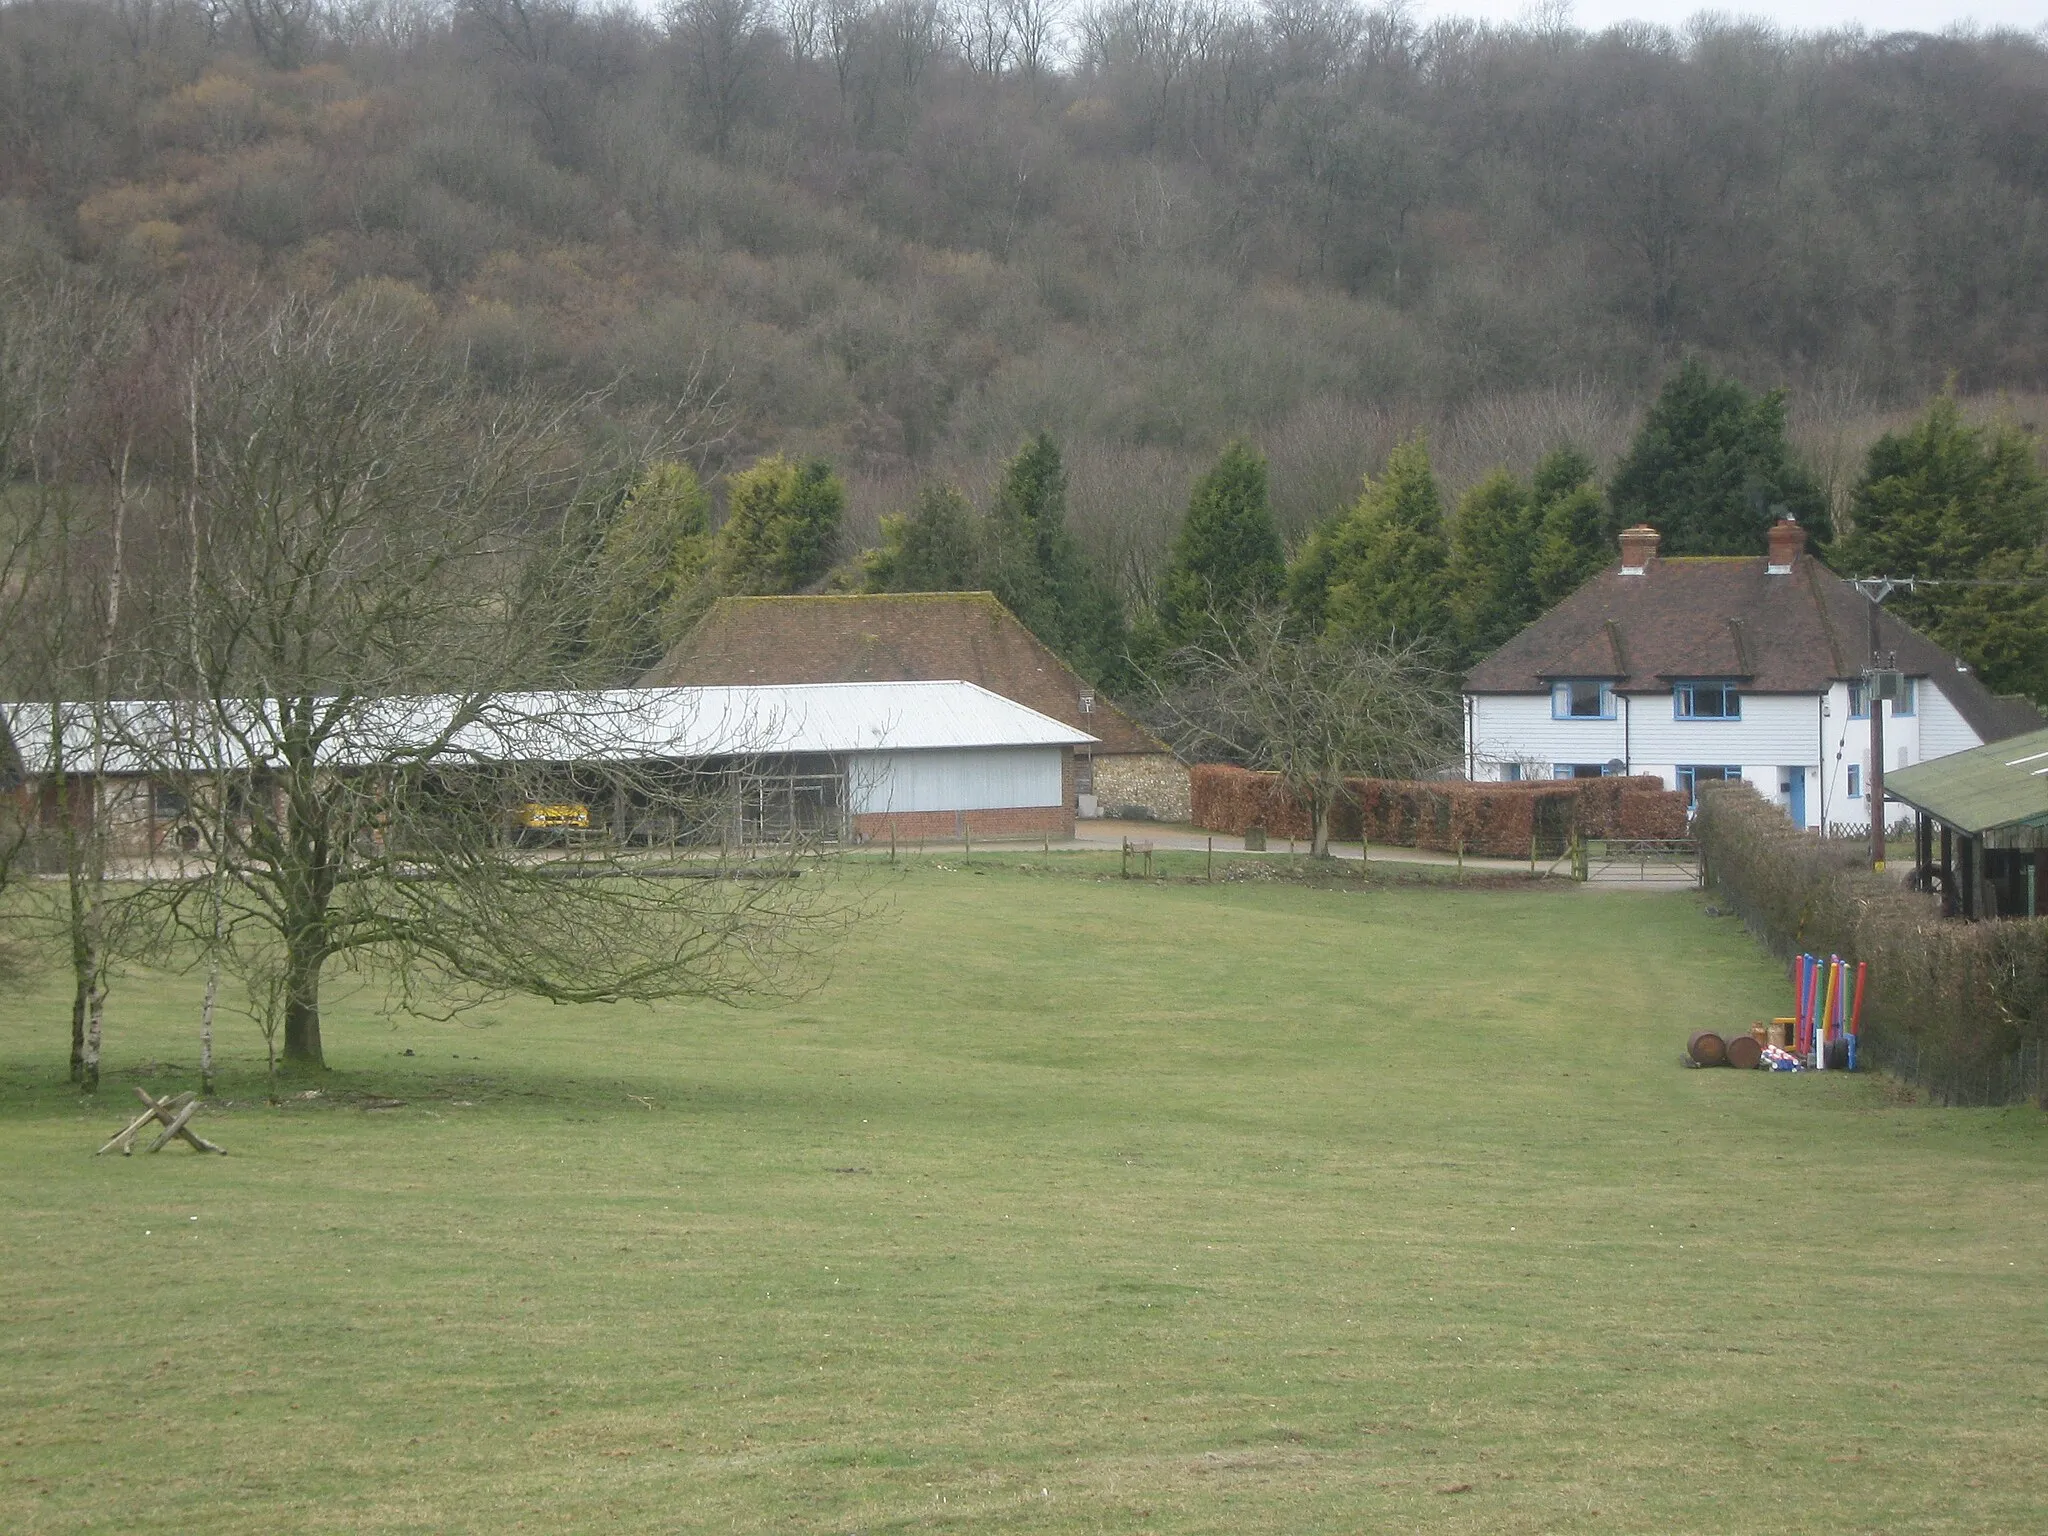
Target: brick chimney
<point>1788,543</point>
<point>1638,549</point>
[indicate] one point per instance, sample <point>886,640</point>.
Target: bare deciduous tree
<point>346,667</point>
<point>1036,31</point>
<point>723,43</point>
<point>1313,712</point>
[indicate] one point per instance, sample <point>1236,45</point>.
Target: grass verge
<point>1067,1204</point>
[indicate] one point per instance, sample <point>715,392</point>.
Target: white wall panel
<point>1775,730</point>
<point>970,779</point>
<point>1518,728</point>
<point>1942,730</point>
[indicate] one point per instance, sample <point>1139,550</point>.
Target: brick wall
<point>1016,824</point>
<point>1156,780</point>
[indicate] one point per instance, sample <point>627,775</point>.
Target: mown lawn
<point>1067,1205</point>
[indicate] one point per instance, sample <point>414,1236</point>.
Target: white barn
<point>1711,668</point>
<point>842,762</point>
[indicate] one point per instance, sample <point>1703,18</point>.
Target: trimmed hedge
<point>1959,1007</point>
<point>1497,820</point>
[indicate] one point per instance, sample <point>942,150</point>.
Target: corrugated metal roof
<point>619,724</point>
<point>2002,785</point>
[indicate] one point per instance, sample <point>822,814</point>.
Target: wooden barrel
<point>1744,1052</point>
<point>1708,1049</point>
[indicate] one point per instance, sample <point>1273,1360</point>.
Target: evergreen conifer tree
<point>781,528</point>
<point>1711,469</point>
<point>648,569</point>
<point>1379,567</point>
<point>1227,559</point>
<point>1038,569</point>
<point>934,547</point>
<point>1492,549</point>
<point>1570,541</point>
<point>1947,500</point>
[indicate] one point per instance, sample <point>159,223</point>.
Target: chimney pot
<point>1788,542</point>
<point>1638,549</point>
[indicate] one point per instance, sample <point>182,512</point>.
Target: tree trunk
<point>1319,846</point>
<point>95,1033</point>
<point>206,1022</point>
<point>78,992</point>
<point>303,959</point>
<point>88,993</point>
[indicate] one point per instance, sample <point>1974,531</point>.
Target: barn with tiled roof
<point>931,637</point>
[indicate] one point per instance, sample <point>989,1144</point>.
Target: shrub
<point>1960,1007</point>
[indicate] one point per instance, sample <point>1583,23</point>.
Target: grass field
<point>1067,1205</point>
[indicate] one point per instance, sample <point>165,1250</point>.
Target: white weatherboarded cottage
<point>1722,668</point>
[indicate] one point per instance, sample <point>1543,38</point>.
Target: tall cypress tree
<point>781,527</point>
<point>1379,567</point>
<point>1227,559</point>
<point>1027,549</point>
<point>934,547</point>
<point>1947,500</point>
<point>1493,545</point>
<point>1570,541</point>
<point>647,570</point>
<point>1039,570</point>
<point>1712,471</point>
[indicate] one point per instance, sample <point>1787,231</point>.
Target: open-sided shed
<point>834,762</point>
<point>1988,807</point>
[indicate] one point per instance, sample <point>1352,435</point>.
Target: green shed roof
<point>2002,785</point>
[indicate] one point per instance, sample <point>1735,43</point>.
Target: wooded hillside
<point>906,234</point>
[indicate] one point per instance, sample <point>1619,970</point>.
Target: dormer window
<point>1582,698</point>
<point>1706,701</point>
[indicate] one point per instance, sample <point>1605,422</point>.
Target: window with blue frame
<point>1855,781</point>
<point>1510,773</point>
<point>1706,701</point>
<point>1692,775</point>
<point>1903,707</point>
<point>1582,698</point>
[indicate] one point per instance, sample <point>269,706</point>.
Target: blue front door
<point>1792,783</point>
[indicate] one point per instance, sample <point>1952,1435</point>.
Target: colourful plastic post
<point>1805,1010</point>
<point>1820,1038</point>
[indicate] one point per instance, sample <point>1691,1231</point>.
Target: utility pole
<point>1876,687</point>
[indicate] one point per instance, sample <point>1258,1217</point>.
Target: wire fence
<point>2021,1078</point>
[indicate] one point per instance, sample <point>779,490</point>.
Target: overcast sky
<point>1803,15</point>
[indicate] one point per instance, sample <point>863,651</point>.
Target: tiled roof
<point>1729,618</point>
<point>906,637</point>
